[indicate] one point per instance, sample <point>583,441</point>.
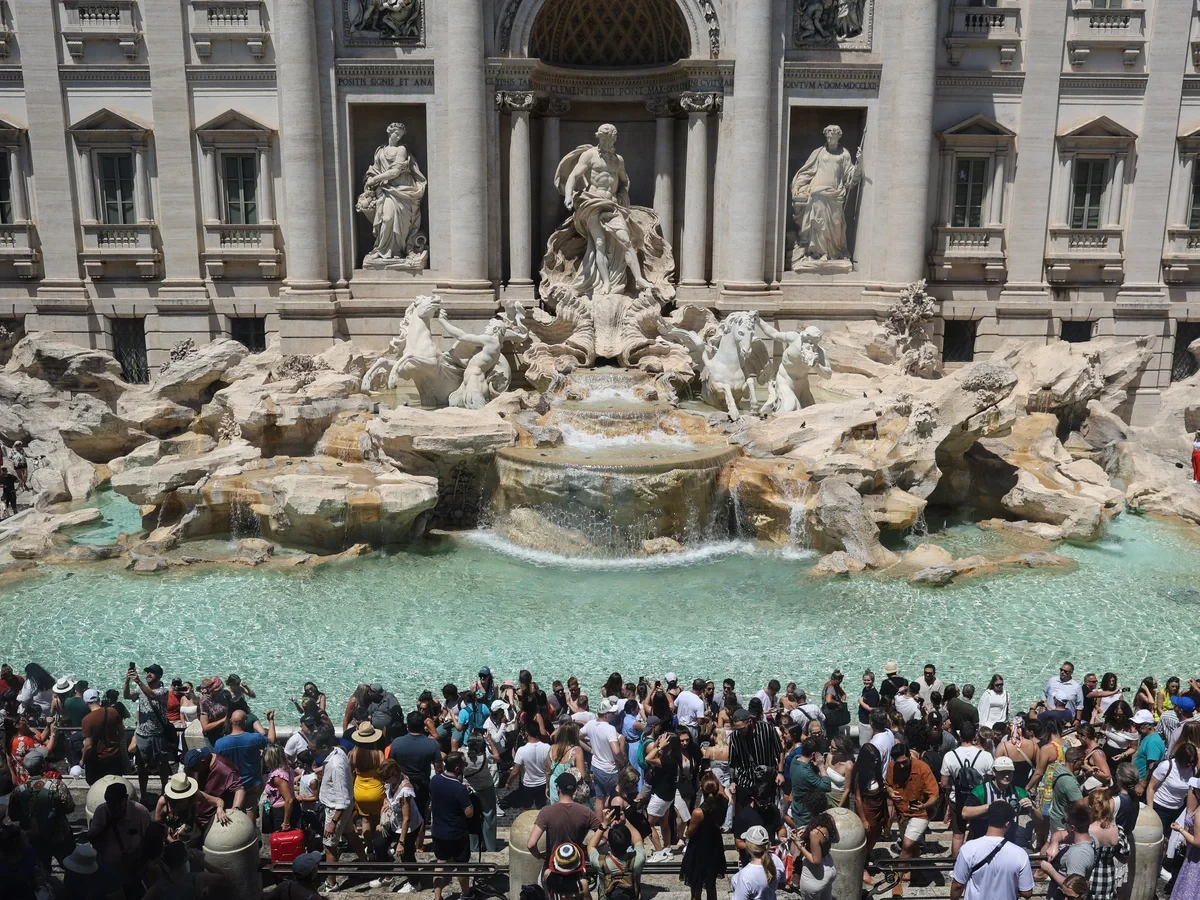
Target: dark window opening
<point>1183,364</point>
<point>116,188</point>
<point>958,340</point>
<point>251,333</point>
<point>6,206</point>
<point>129,347</point>
<point>1077,332</point>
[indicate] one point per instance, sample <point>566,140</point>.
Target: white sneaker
<point>406,888</point>
<point>327,888</point>
<point>386,881</point>
<point>662,855</point>
<point>499,813</point>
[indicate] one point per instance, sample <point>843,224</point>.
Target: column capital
<point>663,107</point>
<point>552,107</point>
<point>515,101</point>
<point>696,102</point>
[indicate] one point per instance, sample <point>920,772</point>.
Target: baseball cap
<point>741,715</point>
<point>155,669</point>
<point>1184,704</point>
<point>757,835</point>
<point>91,695</point>
<point>499,704</point>
<point>1143,717</point>
<point>672,678</point>
<point>1003,764</point>
<point>306,864</point>
<point>607,706</point>
<point>567,783</point>
<point>651,721</point>
<point>376,688</point>
<point>1000,814</point>
<point>484,670</point>
<point>193,758</point>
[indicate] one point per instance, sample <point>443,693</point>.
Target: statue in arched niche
<point>391,198</point>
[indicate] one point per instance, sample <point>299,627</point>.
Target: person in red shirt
<point>217,777</point>
<point>10,685</point>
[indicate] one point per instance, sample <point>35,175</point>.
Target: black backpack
<point>966,779</point>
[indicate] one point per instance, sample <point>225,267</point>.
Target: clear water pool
<point>435,613</point>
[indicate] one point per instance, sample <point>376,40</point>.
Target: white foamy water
<point>625,394</point>
<point>708,552</point>
<point>573,436</point>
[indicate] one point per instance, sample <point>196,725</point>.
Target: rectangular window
<point>6,207</point>
<point>1183,364</point>
<point>958,340</point>
<point>249,332</point>
<point>1076,332</point>
<point>970,187</point>
<point>1108,4</point>
<point>116,188</point>
<point>983,2</point>
<point>1087,194</point>
<point>129,347</point>
<point>241,190</point>
<point>1194,214</point>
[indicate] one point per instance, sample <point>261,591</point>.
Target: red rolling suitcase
<point>286,845</point>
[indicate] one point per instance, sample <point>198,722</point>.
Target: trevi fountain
<point>605,461</point>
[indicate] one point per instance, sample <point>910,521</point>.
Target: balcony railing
<point>1073,251</point>
<point>997,27</point>
<point>230,249</point>
<point>233,21</point>
<point>17,247</point>
<point>100,20</point>
<point>1181,261</point>
<point>957,248</point>
<point>124,246</point>
<point>1107,29</point>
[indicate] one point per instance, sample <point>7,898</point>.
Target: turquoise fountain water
<point>435,613</point>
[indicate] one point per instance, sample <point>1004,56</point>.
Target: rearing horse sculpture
<point>421,359</point>
<point>732,358</point>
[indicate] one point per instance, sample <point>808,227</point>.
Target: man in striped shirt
<point>755,753</point>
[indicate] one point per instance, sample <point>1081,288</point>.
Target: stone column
<point>17,168</point>
<point>1112,203</point>
<point>996,199</point>
<point>693,248</point>
<point>905,136</point>
<point>744,254</point>
<point>212,181</point>
<point>664,110</point>
<point>266,209</point>
<point>520,188</point>
<point>145,209</point>
<point>301,152</point>
<point>553,210</point>
<point>87,188</point>
<point>467,144</point>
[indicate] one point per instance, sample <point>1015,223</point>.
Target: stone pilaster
<point>52,148</point>
<point>694,243</point>
<point>909,36</point>
<point>520,187</point>
<point>553,211</point>
<point>664,110</point>
<point>305,249</point>
<point>174,150</point>
<point>1044,30</point>
<point>744,256</point>
<point>466,143</point>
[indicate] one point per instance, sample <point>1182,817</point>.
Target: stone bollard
<point>849,855</point>
<point>523,867</point>
<point>193,737</point>
<point>1144,865</point>
<point>95,794</point>
<point>234,850</point>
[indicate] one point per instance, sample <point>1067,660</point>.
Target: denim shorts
<point>605,784</point>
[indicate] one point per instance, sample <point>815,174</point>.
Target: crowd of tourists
<point>657,769</point>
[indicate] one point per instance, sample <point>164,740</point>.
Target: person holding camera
<point>154,735</point>
<point>620,870</point>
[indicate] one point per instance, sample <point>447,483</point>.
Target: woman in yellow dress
<point>365,760</point>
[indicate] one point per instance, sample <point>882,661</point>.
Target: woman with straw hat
<point>365,760</point>
<point>180,811</point>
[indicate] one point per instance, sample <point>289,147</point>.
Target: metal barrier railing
<point>891,871</point>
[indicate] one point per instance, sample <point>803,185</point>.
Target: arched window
<point>610,33</point>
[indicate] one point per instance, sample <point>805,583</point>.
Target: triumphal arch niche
<point>650,69</point>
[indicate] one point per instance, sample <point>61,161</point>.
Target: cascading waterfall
<point>243,522</point>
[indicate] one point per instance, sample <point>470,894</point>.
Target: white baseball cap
<point>1143,717</point>
<point>672,678</point>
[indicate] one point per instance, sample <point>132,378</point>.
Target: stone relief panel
<point>832,24</point>
<point>391,22</point>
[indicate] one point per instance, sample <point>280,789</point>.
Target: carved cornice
<point>205,73</point>
<point>417,77</point>
<point>686,75</point>
<point>816,77</point>
<point>995,83</point>
<point>700,102</point>
<point>1129,85</point>
<point>108,74</point>
<point>515,101</point>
